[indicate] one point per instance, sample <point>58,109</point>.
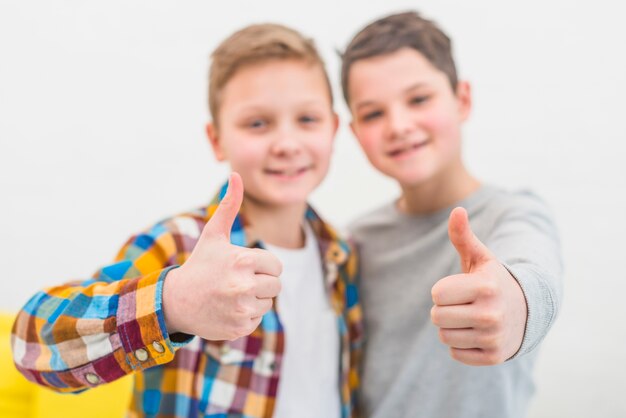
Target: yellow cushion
<point>16,392</point>
<point>20,398</point>
<point>106,401</point>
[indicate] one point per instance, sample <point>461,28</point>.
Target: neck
<point>279,226</point>
<point>441,191</point>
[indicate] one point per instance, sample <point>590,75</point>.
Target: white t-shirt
<point>309,377</point>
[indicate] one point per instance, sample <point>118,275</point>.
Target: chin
<point>411,179</point>
<point>286,199</point>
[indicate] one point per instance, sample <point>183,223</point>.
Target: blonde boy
<point>206,338</point>
<point>496,305</point>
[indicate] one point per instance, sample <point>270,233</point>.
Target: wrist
<point>170,305</point>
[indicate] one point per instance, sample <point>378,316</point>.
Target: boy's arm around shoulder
<point>525,240</point>
<point>82,334</point>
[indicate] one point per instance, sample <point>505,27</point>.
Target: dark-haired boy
<point>492,309</point>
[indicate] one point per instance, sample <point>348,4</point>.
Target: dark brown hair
<point>397,31</point>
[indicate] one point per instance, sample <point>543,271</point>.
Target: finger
<point>267,286</point>
<point>265,262</point>
<point>256,321</point>
<point>456,316</point>
<point>466,338</point>
<point>261,307</point>
<point>476,356</point>
<point>457,289</point>
<point>470,249</point>
<point>222,220</point>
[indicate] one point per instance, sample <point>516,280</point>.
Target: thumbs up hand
<point>222,291</point>
<point>481,313</point>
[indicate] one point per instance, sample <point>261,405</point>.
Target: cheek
<point>320,145</point>
<point>369,138</point>
<point>243,157</point>
<point>442,124</point>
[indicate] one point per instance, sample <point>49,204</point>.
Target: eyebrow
<point>406,90</point>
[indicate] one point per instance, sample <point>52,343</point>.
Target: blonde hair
<point>255,44</point>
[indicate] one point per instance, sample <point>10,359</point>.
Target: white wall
<point>102,106</point>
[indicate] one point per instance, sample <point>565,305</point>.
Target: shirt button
<point>158,347</point>
<point>141,354</point>
<point>273,366</point>
<point>92,378</point>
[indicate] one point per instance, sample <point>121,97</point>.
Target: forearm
<point>73,337</point>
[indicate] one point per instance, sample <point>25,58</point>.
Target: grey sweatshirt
<point>407,371</point>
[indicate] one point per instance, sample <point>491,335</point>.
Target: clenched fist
<point>481,313</point>
<point>222,291</point>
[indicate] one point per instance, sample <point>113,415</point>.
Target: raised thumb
<point>470,249</point>
<point>222,220</point>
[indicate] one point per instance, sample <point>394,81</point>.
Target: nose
<point>399,122</point>
<point>286,142</point>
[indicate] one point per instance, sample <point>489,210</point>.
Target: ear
<point>211,133</point>
<point>464,99</point>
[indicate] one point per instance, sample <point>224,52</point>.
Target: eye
<point>308,119</point>
<point>416,100</point>
<point>371,115</point>
<point>256,124</point>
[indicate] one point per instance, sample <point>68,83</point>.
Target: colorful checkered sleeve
<point>83,334</point>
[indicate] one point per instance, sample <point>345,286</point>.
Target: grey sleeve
<point>525,240</point>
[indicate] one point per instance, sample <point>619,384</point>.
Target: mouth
<point>407,149</point>
<point>288,173</point>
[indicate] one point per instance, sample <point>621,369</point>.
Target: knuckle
<point>232,333</point>
<point>490,341</point>
<point>240,330</point>
<point>491,357</point>
<point>490,319</point>
<point>270,258</point>
<point>247,288</point>
<point>243,311</point>
<point>241,290</point>
<point>488,289</point>
<point>243,260</point>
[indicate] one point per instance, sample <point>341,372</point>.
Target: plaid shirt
<point>83,334</point>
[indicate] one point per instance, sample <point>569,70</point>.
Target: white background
<point>102,108</point>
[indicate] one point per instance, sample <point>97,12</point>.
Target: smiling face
<point>406,116</point>
<point>276,128</point>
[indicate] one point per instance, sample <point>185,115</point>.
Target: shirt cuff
<point>141,323</point>
<point>540,306</point>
